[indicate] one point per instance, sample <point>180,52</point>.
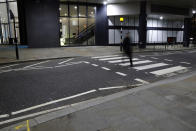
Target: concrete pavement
<point>7,54</point>
<point>168,105</point>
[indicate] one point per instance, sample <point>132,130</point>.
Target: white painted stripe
<point>192,51</point>
<point>4,116</point>
<point>123,60</point>
<point>65,61</point>
<point>99,57</point>
<point>86,62</point>
<point>38,68</point>
<point>68,64</point>
<point>136,63</point>
<point>105,68</point>
<point>150,66</point>
<point>142,81</point>
<point>168,70</point>
<point>52,102</point>
<point>122,74</point>
<point>113,58</point>
<point>32,115</point>
<point>36,64</point>
<point>185,63</point>
<point>110,88</point>
<point>8,66</point>
<point>168,60</point>
<point>94,65</point>
<point>154,58</point>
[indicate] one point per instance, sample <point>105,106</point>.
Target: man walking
<point>127,48</point>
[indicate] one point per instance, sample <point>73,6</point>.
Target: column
<point>142,25</point>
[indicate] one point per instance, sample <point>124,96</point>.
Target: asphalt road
<point>31,87</point>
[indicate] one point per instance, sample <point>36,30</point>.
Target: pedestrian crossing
<point>136,63</point>
<point>142,64</point>
<point>122,60</point>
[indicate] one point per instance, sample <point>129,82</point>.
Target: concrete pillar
<point>101,29</point>
<point>142,25</point>
<point>187,32</point>
<point>39,22</point>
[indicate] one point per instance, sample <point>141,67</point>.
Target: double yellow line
<point>21,126</point>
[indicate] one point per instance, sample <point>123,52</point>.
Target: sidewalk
<point>168,105</point>
<point>7,55</point>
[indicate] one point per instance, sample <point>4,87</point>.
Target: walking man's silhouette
<point>127,48</point>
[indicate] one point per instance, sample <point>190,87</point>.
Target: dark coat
<point>127,45</point>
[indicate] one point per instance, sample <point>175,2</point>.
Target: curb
<point>33,60</point>
<point>69,109</point>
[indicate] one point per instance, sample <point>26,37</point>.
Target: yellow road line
<point>28,128</point>
<point>20,126</point>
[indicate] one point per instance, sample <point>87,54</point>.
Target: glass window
<point>64,31</point>
<point>91,11</point>
<point>73,29</point>
<point>82,24</point>
<point>91,21</point>
<point>7,26</point>
<point>63,10</point>
<point>82,11</point>
<point>83,31</point>
<point>73,10</point>
<point>3,13</point>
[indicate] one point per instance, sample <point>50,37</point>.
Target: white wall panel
<point>123,9</point>
<point>111,36</point>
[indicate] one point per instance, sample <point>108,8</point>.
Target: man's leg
<point>131,61</point>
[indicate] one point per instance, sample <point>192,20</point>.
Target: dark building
<point>59,23</point>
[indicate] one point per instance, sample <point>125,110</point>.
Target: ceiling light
<point>161,18</point>
<point>75,7</point>
<point>60,9</point>
<point>105,2</point>
<point>194,11</point>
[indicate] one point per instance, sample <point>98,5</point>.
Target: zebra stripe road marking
<point>168,60</point>
<point>168,70</point>
<point>113,58</point>
<point>185,63</point>
<point>150,66</point>
<point>99,57</point>
<point>136,63</point>
<point>123,60</point>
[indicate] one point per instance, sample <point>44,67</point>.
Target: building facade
<point>61,23</point>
